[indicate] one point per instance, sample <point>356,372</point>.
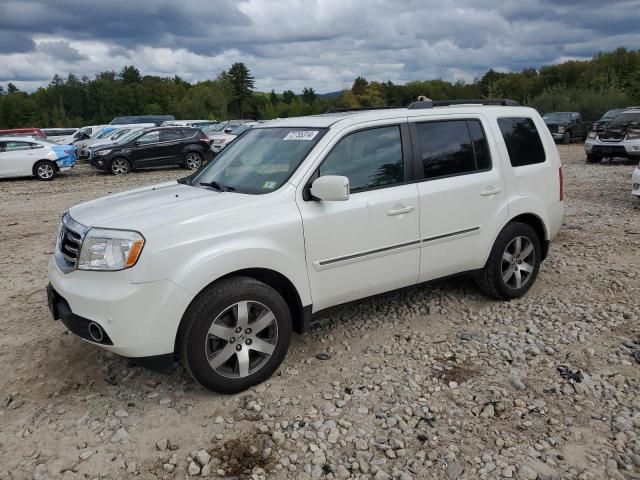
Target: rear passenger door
<point>462,195</point>
<point>173,143</point>
<point>19,157</point>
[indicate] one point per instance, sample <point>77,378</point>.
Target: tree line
<point>608,80</point>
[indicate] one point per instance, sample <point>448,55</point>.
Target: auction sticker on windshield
<point>301,135</point>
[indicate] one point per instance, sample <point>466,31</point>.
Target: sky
<point>291,44</point>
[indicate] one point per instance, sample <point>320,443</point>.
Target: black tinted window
<point>370,158</point>
<point>169,135</point>
<point>446,148</point>
<point>150,137</point>
<point>522,140</point>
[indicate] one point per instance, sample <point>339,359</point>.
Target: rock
<point>488,411</point>
<point>454,470</point>
<point>206,470</point>
<point>515,380</point>
<point>194,469</point>
<point>86,455</point>
<point>120,434</point>
<point>121,413</point>
<point>203,457</point>
<point>527,473</point>
<point>162,444</point>
<point>361,445</point>
<point>168,467</point>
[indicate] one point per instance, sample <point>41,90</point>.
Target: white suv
<point>301,214</point>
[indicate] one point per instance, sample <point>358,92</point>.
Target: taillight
<point>205,140</point>
<point>560,177</point>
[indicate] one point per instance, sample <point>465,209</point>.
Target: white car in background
<point>40,158</point>
<point>59,134</point>
<point>222,139</point>
<point>106,136</point>
<point>82,134</point>
<point>189,123</point>
<point>635,182</point>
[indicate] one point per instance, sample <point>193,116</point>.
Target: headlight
<point>105,249</point>
<point>633,134</point>
<point>102,152</point>
<point>592,135</point>
<point>561,129</point>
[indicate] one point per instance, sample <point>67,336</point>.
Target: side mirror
<point>228,130</point>
<point>331,188</point>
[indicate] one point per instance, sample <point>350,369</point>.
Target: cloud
<point>289,44</point>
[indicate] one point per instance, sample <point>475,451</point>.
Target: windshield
<point>128,136</point>
<point>260,160</point>
<point>611,114</point>
<point>119,133</point>
<point>625,118</point>
<point>557,117</point>
<point>240,129</point>
<point>218,127</point>
<point>102,133</point>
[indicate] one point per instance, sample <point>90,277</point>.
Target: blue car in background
<point>40,158</point>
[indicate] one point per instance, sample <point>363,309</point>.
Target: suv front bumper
<point>622,148</point>
<point>139,320</point>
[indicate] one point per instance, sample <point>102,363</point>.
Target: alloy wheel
<point>193,161</point>
<point>241,339</point>
<point>518,261</point>
<point>120,166</point>
<point>45,171</point>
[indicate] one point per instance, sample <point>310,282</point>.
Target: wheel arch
<point>35,164</point>
<point>300,314</point>
<point>535,222</point>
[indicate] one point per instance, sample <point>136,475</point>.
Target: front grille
<point>610,136</point>
<point>69,243</point>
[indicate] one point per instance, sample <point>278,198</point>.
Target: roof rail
<point>356,109</point>
<point>463,101</point>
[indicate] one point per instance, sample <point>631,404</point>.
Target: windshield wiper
<point>215,185</point>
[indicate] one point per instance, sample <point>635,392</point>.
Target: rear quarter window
<point>522,140</point>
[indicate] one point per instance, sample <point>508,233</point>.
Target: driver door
<point>147,151</point>
<point>370,243</point>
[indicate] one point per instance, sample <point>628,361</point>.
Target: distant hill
<point>330,95</point>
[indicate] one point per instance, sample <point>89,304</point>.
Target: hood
<point>150,208</point>
<point>220,136</point>
<point>556,124</point>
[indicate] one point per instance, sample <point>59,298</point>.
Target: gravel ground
<point>431,382</point>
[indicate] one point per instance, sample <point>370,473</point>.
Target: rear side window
<point>453,147</point>
<point>522,140</point>
<point>170,135</point>
<point>15,146</point>
<point>369,159</point>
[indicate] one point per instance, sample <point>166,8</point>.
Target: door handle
<point>490,191</point>
<point>401,210</point>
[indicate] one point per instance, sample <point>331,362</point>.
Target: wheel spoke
<point>221,357</point>
<point>243,362</point>
<point>526,251</point>
<point>242,314</point>
<point>220,331</point>
<point>261,346</point>
<point>526,267</point>
<point>507,257</point>
<point>518,278</point>
<point>262,322</point>
<point>518,246</point>
<point>506,275</point>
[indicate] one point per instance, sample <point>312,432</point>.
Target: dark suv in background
<point>154,147</point>
<point>566,126</point>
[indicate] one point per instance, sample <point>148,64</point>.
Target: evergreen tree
<point>130,75</point>
<point>242,83</point>
<point>288,96</point>
<point>308,95</point>
<point>11,88</point>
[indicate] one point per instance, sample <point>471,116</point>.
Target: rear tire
<point>192,161</point>
<point>235,335</point>
<point>120,166</point>
<point>45,170</point>
<point>513,264</point>
<point>593,158</point>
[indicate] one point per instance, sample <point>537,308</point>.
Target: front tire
<point>235,335</point>
<point>120,166</point>
<point>513,264</point>
<point>566,138</point>
<point>45,170</point>
<point>593,158</point>
<point>193,161</point>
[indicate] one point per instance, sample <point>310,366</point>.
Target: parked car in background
<point>635,181</point>
<point>566,126</point>
<point>603,121</point>
<point>301,214</point>
<point>106,136</point>
<point>154,147</point>
<point>82,134</point>
<point>58,134</point>
<point>22,132</point>
<point>155,119</point>
<point>189,123</point>
<point>220,140</point>
<point>40,158</point>
<point>619,138</point>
